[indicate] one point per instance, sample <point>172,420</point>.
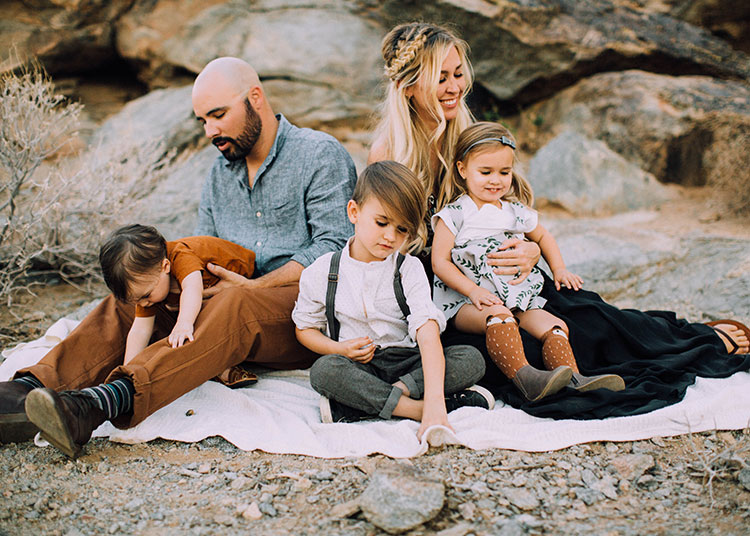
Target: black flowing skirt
<point>657,354</point>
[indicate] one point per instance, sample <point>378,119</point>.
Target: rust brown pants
<point>233,326</point>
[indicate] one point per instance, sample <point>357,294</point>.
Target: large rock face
<point>66,35</point>
<point>525,51</point>
<point>687,129</point>
<point>320,63</point>
<point>586,177</point>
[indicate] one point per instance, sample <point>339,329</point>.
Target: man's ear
<point>255,96</point>
<point>352,210</point>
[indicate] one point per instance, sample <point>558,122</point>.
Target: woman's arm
<point>138,336</point>
<point>553,256</point>
<point>433,367</point>
<point>450,274</point>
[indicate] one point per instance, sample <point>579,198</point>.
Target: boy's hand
<point>568,279</point>
<point>433,414</point>
<point>360,350</point>
<point>481,296</point>
<point>181,333</point>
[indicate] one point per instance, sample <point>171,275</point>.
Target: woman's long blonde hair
<point>412,52</point>
<point>480,137</point>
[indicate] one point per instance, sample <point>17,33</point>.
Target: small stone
<point>323,475</point>
<point>189,413</point>
<point>135,504</point>
<point>204,468</point>
<point>612,447</point>
<point>302,484</point>
<point>467,510</point>
<point>632,466</point>
<point>521,498</point>
<point>346,509</point>
<point>252,512</point>
<point>606,486</point>
<point>458,530</point>
<point>210,480</point>
<point>239,483</point>
<point>268,509</point>
<point>469,470</point>
<point>479,488</point>
<point>312,499</point>
<point>743,477</point>
<point>588,495</point>
<point>401,498</point>
<point>658,441</point>
<point>223,519</point>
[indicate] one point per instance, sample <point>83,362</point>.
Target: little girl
<point>491,204</point>
<point>166,280</point>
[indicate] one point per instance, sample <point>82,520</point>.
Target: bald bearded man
<point>276,189</point>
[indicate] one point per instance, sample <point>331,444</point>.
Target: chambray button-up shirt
<point>296,208</point>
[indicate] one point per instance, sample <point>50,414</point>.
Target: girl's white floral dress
<point>482,231</point>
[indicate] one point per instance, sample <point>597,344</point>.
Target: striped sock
<point>31,381</point>
<point>113,398</point>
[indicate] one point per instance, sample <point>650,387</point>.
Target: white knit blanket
<point>280,414</point>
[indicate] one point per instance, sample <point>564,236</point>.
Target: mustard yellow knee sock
<point>556,350</point>
<point>504,344</point>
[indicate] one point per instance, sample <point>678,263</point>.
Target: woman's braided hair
<point>400,52</point>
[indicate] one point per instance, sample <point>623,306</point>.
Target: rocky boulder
<point>586,177</point>
<point>690,130</point>
<point>68,36</point>
<point>525,51</point>
<point>321,63</point>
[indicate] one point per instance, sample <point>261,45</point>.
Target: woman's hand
<point>360,350</point>
<point>481,296</point>
<point>515,257</point>
<point>567,279</point>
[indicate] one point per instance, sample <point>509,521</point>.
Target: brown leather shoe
<point>15,426</point>
<point>66,419</point>
<point>238,377</point>
<point>535,384</point>
<point>582,383</point>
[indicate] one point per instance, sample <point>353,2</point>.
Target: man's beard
<point>239,148</point>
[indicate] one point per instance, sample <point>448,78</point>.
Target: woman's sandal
<point>739,325</point>
<point>238,378</point>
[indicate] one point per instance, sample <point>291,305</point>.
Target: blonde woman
<point>424,111</point>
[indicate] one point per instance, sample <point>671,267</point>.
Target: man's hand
<point>228,278</point>
<point>361,350</point>
<point>567,279</point>
<point>515,257</point>
<point>181,333</point>
<point>481,296</point>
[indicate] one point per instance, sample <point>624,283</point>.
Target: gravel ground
<point>697,484</point>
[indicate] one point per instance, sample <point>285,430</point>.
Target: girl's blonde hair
<point>481,137</point>
<point>400,192</point>
<point>414,52</point>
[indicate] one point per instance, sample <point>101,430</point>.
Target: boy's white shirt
<point>366,303</point>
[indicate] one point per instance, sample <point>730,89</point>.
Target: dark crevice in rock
<point>611,61</point>
<point>685,158</point>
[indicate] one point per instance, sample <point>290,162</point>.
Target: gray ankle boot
<point>583,383</point>
<point>535,384</point>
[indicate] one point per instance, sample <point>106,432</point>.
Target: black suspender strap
<point>398,286</point>
<point>333,280</point>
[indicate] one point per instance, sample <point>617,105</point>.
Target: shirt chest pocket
<point>283,214</point>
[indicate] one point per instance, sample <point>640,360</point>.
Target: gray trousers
<point>368,386</point>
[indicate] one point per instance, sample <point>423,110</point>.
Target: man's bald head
<point>231,75</point>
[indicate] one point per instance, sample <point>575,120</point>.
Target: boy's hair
<point>481,137</point>
<point>400,192</point>
<point>131,251</point>
<point>415,52</point>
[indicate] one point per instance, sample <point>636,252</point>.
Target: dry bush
<point>55,211</point>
